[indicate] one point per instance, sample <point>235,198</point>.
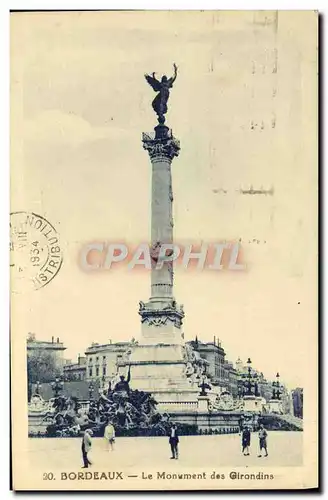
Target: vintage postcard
<point>163,225</point>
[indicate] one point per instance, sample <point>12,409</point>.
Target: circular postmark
<point>35,252</point>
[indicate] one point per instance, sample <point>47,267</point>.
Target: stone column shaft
<point>161,151</point>
<point>161,316</point>
<point>161,225</point>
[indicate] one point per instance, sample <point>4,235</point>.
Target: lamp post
<point>275,402</point>
<point>57,386</point>
<point>248,380</point>
<point>256,385</point>
<point>248,390</point>
<point>204,385</point>
<point>37,387</point>
<point>252,380</point>
<point>276,392</point>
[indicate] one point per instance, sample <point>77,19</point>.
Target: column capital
<point>161,148</point>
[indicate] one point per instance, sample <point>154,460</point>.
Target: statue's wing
<point>155,84</point>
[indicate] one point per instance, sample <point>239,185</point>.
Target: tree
<point>41,366</point>
<point>30,337</point>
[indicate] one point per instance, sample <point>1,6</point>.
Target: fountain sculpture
<point>132,412</point>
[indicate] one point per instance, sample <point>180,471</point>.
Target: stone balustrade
<point>177,406</point>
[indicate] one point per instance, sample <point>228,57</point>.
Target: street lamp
<point>57,386</point>
<point>256,384</point>
<point>276,388</point>
<point>204,385</point>
<point>248,381</point>
<point>249,384</point>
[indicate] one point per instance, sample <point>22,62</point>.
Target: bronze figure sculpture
<point>163,87</point>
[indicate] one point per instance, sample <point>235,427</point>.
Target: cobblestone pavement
<point>285,449</point>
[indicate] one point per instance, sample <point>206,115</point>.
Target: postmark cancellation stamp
<point>35,252</point>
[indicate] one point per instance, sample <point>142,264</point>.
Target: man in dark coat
<point>174,441</point>
<point>86,446</point>
<point>246,440</point>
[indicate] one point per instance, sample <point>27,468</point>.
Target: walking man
<point>109,435</point>
<point>246,440</point>
<point>86,446</point>
<point>263,441</point>
<point>174,441</point>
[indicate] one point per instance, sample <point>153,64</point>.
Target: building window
<point>104,371</point>
<point>90,360</point>
<point>97,359</point>
<point>104,359</point>
<point>97,372</point>
<point>90,372</point>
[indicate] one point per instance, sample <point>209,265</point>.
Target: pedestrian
<point>246,440</point>
<point>174,441</point>
<point>86,446</point>
<point>109,434</point>
<point>263,441</point>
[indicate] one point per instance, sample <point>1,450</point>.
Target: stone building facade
<point>105,361</point>
<point>75,371</point>
<point>56,348</point>
<point>214,354</point>
<point>221,372</point>
<point>297,396</point>
<point>231,376</point>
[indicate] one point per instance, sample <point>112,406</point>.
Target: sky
<point>243,107</point>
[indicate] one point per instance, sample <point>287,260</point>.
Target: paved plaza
<point>285,449</point>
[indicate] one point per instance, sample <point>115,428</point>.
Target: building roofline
<point>102,347</point>
<point>46,345</point>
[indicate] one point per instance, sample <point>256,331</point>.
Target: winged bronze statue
<point>163,87</point>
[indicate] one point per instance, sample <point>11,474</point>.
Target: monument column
<point>161,317</point>
<point>158,361</point>
<point>162,149</point>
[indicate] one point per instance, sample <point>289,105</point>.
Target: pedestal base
<point>251,404</point>
<point>203,404</point>
<point>160,370</point>
<point>275,406</point>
